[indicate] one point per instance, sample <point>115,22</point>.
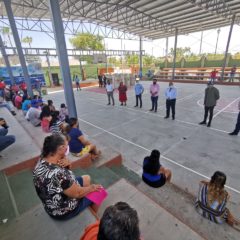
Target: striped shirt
<point>215,211</point>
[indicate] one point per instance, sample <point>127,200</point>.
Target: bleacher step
<point>154,220</point>
<point>36,224</point>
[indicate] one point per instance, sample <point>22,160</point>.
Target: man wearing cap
<point>210,100</point>
<point>237,128</point>
<point>138,92</point>
<point>171,95</point>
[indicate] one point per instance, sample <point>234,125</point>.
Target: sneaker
<point>209,125</point>
<point>136,106</point>
<point>121,104</point>
<point>150,110</point>
<point>233,133</point>
<point>173,118</point>
<point>202,123</point>
<point>108,104</point>
<point>166,117</point>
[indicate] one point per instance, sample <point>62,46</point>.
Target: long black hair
<point>152,163</point>
<point>45,112</point>
<point>51,144</point>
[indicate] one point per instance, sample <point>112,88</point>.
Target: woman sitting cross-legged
<point>62,194</point>
<point>154,174</point>
<point>78,144</point>
<point>212,200</point>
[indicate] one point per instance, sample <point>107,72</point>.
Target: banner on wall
<point>34,70</point>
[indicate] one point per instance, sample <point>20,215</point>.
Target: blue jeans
<point>154,103</point>
<point>5,141</point>
<point>7,106</point>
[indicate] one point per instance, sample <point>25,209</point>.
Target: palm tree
<point>27,40</point>
<point>7,32</point>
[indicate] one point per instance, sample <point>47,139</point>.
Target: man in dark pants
<point>138,92</point>
<point>237,128</point>
<point>154,91</point>
<point>210,100</point>
<point>171,95</point>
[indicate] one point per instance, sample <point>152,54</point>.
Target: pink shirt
<point>45,125</point>
<point>154,90</point>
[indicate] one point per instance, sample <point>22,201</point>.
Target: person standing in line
<point>139,89</point>
<point>210,100</point>
<point>232,73</point>
<point>122,90</point>
<point>171,95</point>
<point>104,80</point>
<point>154,91</point>
<point>237,127</point>
<point>109,89</point>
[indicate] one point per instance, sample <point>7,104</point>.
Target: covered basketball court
<point>144,19</point>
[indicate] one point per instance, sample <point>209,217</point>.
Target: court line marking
<point>216,114</point>
<point>159,116</point>
<point>74,89</point>
<point>202,106</point>
<point>148,150</point>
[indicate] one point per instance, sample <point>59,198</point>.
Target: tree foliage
<point>28,40</point>
<point>180,52</point>
<point>87,41</point>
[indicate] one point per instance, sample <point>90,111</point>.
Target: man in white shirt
<point>109,89</point>
<point>171,95</point>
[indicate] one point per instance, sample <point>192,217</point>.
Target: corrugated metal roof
<point>146,18</point>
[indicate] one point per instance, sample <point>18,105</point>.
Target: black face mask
<point>154,83</point>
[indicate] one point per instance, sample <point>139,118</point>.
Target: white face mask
<point>67,151</point>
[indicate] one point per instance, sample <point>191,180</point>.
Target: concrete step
<point>181,205</point>
<point>23,150</point>
<point>155,221</point>
<point>36,224</point>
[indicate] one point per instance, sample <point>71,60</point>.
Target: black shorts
<point>155,184</point>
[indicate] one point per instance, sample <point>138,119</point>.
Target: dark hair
<point>216,187</point>
<point>152,163</point>
<point>45,112</point>
<point>72,121</point>
<point>62,105</point>
<point>119,222</point>
<point>55,116</point>
<point>51,144</point>
<point>50,102</point>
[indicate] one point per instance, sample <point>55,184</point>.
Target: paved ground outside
<point>193,152</point>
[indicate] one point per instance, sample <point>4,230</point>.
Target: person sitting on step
<point>78,144</point>
<point>63,195</point>
<point>119,221</point>
<point>212,200</point>
<point>154,174</point>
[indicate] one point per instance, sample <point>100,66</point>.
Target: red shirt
<point>2,85</point>
<point>15,88</point>
<point>213,74</point>
<point>23,86</point>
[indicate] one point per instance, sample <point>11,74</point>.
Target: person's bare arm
<point>83,140</point>
<point>76,191</point>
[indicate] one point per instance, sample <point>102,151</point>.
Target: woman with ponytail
<point>212,200</point>
<point>62,194</point>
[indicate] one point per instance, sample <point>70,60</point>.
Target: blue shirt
<point>171,93</point>
<point>75,146</point>
<point>150,177</point>
<point>25,105</point>
<point>139,89</point>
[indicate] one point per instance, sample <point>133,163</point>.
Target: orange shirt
<point>91,232</point>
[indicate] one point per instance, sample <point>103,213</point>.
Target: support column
<point>227,47</point>
<point>175,54</point>
<point>27,79</point>
<point>63,56</point>
<point>140,58</point>
<point>166,52</point>
<point>6,60</point>
<point>49,70</point>
<point>200,50</point>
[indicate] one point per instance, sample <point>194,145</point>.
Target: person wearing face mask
<point>63,195</point>
<point>171,95</point>
<point>210,101</point>
<point>154,91</point>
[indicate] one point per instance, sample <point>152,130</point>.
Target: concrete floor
<point>191,151</point>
